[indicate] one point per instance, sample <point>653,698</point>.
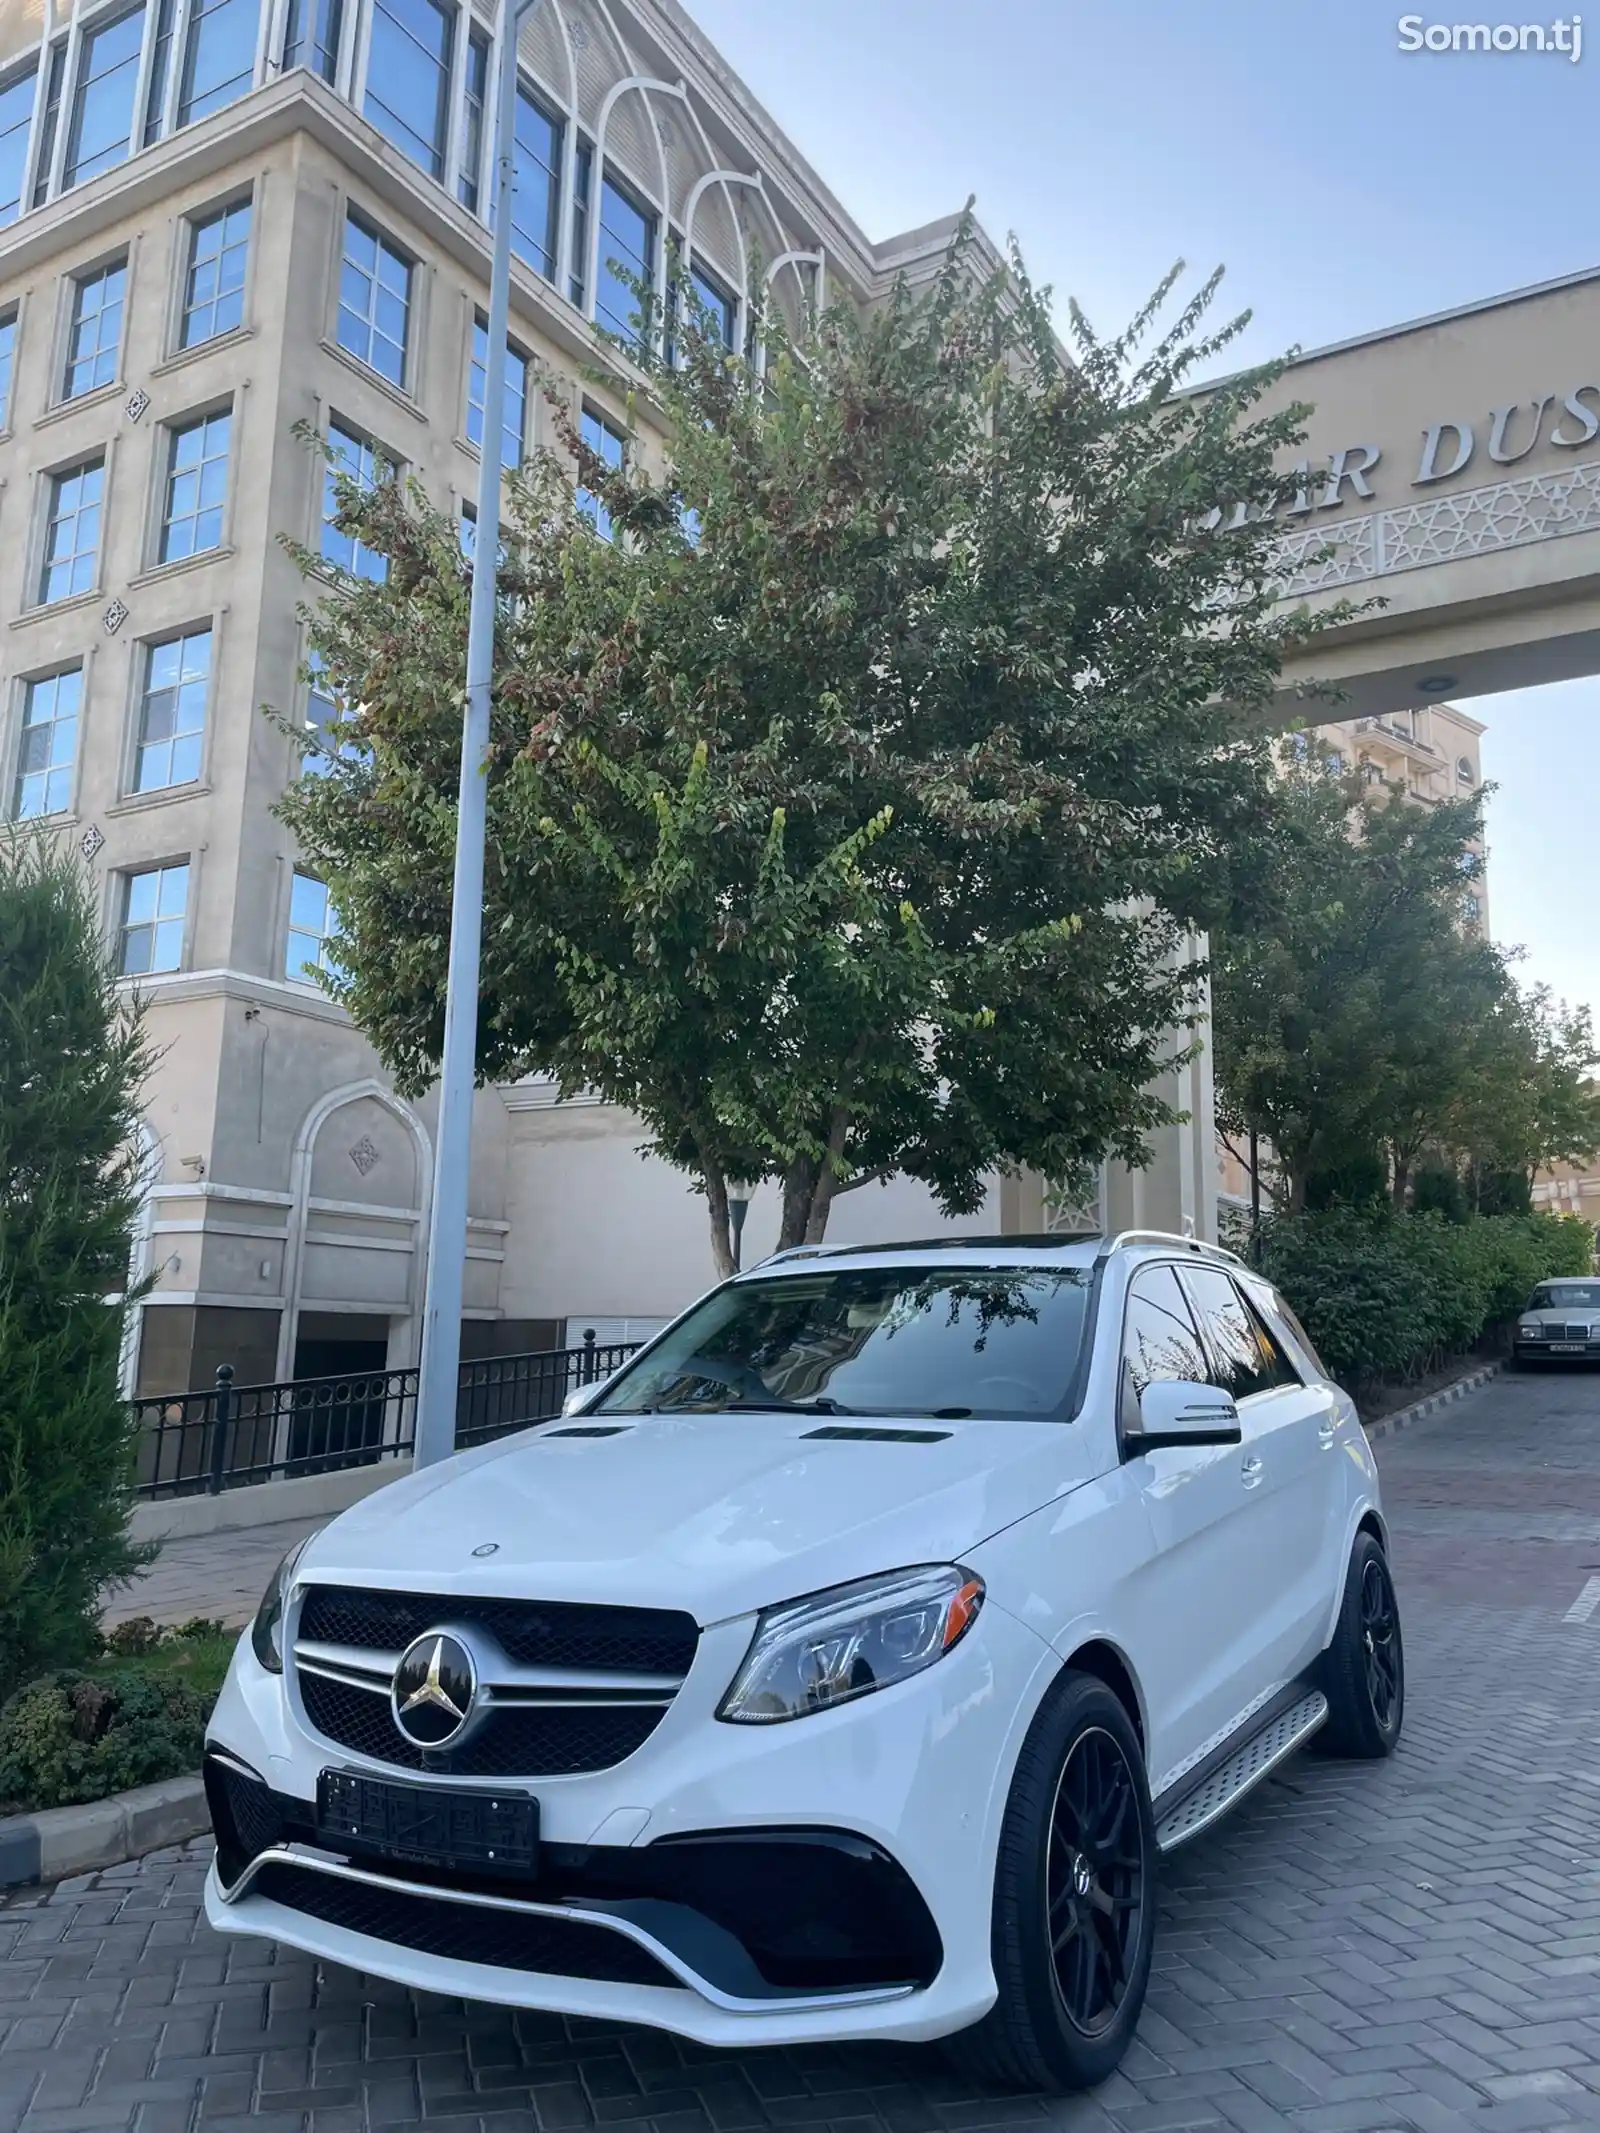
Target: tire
<point>1363,1671</point>
<point>1079,1811</point>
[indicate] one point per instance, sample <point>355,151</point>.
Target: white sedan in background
<point>842,1670</point>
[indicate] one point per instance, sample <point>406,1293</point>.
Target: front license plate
<point>493,1832</point>
<point>1568,1347</point>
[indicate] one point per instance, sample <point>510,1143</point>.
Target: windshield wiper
<point>820,1405</point>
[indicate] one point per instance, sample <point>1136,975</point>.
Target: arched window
<point>1465,771</point>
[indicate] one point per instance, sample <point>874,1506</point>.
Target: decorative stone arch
<point>389,1224</point>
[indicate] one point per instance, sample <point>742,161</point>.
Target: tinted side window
<point>1277,1312</point>
<point>1243,1364</point>
<point>1159,1339</point>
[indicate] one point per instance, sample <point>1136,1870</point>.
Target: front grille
<point>513,1740</point>
<point>465,1933</point>
<point>542,1633</point>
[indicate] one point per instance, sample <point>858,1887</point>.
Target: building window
<point>197,486</point>
<point>326,716</point>
<point>1472,904</point>
<point>374,300</point>
<point>1465,771</point>
<point>155,902</point>
<point>514,412</point>
<point>474,103</point>
<point>155,100</point>
<point>716,300</point>
<point>627,248</point>
<point>94,345</point>
<point>408,77</point>
<point>213,283</point>
<point>219,59</point>
<point>49,749</point>
<point>311,36</point>
<point>16,117</point>
<point>313,929</point>
<point>535,204</point>
<point>8,363</point>
<point>44,154</point>
<point>172,711</point>
<point>583,166</point>
<point>608,444</point>
<point>72,531</point>
<point>101,130</point>
<point>357,458</point>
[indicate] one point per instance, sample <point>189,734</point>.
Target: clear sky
<point>1344,184</point>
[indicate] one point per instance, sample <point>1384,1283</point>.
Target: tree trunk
<point>1401,1179</point>
<point>717,1209</point>
<point>799,1190</point>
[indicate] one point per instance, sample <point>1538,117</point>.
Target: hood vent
<point>856,1434</point>
<point>591,1429</point>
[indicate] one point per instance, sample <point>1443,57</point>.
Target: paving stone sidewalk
<point>1407,1949</point>
<point>219,1575</point>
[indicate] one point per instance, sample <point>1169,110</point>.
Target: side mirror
<point>576,1402</point>
<point>1174,1411</point>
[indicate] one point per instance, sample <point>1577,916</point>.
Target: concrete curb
<point>61,1841</point>
<point>1420,1410</point>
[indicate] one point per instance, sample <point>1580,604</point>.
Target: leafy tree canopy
<point>1362,1019</point>
<point>857,764</point>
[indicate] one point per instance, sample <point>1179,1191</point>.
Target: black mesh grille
<point>517,1740</point>
<point>466,1933</point>
<point>633,1640</point>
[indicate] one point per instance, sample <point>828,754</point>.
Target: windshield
<point>1566,1296</point>
<point>945,1342</point>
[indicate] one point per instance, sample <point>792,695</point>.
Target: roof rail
<point>1167,1236</point>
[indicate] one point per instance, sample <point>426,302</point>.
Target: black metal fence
<point>232,1436</point>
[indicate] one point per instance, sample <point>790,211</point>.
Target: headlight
<point>266,1631</point>
<point>834,1646</point>
<point>1530,1330</point>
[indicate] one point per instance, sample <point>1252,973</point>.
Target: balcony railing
<point>236,1436</point>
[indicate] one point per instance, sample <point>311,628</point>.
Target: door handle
<point>1326,1433</point>
<point>1251,1471</point>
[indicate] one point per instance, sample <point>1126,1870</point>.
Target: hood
<point>718,1514</point>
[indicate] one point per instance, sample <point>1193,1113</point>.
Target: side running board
<point>1232,1778</point>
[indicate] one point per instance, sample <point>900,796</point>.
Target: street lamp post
<point>440,1375</point>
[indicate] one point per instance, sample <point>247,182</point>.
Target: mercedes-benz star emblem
<point>434,1689</point>
<point>487,1548</point>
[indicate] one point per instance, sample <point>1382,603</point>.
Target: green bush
<point>1388,1295</point>
<point>69,1737</point>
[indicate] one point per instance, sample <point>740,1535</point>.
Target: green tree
<point>1348,997</point>
<point>72,1061</point>
<point>1365,1029</point>
<point>849,802</point>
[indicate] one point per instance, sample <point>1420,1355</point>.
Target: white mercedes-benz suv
<point>841,1667</point>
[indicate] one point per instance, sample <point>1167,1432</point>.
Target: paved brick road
<point>1359,1950</point>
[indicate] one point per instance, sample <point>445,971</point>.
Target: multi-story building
<point>1568,1190</point>
<point>1431,753</point>
<point>226,225</point>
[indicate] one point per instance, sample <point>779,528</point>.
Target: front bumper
<point>1586,1351</point>
<point>825,1879</point>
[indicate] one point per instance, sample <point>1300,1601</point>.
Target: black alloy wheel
<point>1095,1882</point>
<point>1363,1673</point>
<point>1380,1636</point>
<point>1073,1921</point>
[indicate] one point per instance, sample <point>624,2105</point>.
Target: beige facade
<point>1567,1190</point>
<point>149,471</point>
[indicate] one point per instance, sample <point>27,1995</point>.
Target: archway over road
<point>1453,471</point>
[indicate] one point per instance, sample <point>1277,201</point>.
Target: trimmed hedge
<point>1388,1295</point>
